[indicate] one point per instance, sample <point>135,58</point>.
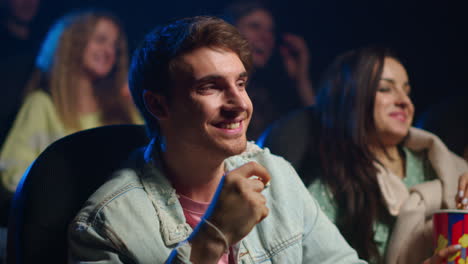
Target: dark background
<point>428,36</point>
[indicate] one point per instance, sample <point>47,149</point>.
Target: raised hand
<point>295,56</point>
<point>241,205</point>
<point>296,61</point>
<point>237,207</point>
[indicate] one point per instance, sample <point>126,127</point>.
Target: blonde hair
<point>60,61</point>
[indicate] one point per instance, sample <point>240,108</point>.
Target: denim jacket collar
<point>174,228</point>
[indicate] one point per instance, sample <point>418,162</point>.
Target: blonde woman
<point>79,83</point>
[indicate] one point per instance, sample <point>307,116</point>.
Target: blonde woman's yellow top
<point>36,126</point>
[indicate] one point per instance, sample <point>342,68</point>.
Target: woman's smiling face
<point>393,109</point>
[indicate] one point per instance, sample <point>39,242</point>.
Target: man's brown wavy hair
<point>157,61</point>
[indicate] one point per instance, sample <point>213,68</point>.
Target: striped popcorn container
<point>450,228</point>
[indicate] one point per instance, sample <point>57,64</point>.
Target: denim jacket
<point>136,217</point>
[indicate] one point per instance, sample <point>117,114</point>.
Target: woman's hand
<point>443,254</point>
<point>461,200</point>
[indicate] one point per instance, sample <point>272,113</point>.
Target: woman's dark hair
<point>345,106</point>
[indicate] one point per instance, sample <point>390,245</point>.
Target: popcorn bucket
<point>450,227</point>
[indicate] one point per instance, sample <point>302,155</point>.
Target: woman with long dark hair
<point>377,178</point>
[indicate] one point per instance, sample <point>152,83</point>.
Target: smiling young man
<point>198,192</point>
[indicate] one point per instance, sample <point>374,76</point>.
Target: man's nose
<point>236,99</point>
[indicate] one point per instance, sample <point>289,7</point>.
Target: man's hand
<point>236,209</point>
<point>461,200</point>
<point>240,205</point>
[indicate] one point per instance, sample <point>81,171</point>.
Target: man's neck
<point>193,174</point>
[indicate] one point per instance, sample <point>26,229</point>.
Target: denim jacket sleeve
<point>88,246</point>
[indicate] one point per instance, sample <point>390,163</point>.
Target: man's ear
<point>156,104</point>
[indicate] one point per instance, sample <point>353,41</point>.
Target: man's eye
<point>242,84</point>
<point>205,88</point>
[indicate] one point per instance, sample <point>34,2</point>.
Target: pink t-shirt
<point>193,212</point>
